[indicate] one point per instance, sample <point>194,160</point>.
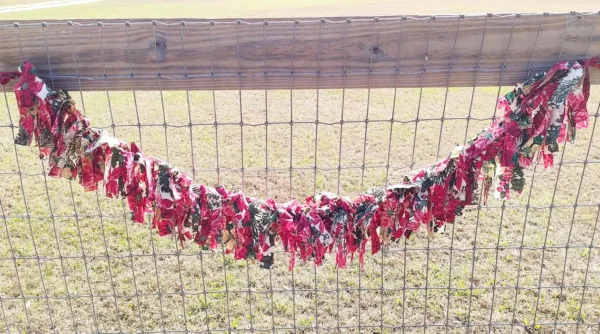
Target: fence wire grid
<point>73,262</point>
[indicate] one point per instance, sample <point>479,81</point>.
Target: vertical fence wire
<point>103,232</point>
<point>96,193</point>
<point>248,279</point>
<point>512,29</point>
<point>368,107</point>
<point>589,252</point>
<point>264,40</point>
<point>320,296</point>
<point>562,281</point>
<point>528,205</point>
<point>175,241</point>
<point>291,186</point>
<point>187,100</point>
<point>316,153</point>
<point>237,34</point>
<point>316,149</point>
<point>264,43</point>
<point>412,163</point>
<point>18,276</point>
<point>575,205</point>
<point>27,215</point>
<point>58,248</point>
<point>475,78</point>
<point>587,267</point>
<point>393,116</point>
<point>471,281</point>
<point>139,126</point>
<point>187,94</point>
<point>6,324</point>
<point>214,103</point>
<point>295,24</point>
<point>437,156</point>
<point>551,208</point>
<point>339,167</point>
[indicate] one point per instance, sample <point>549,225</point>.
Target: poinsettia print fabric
<point>537,115</point>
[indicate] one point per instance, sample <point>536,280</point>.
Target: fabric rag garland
<point>537,115</point>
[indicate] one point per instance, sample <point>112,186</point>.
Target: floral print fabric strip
<point>537,116</point>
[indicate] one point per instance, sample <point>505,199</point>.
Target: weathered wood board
<point>482,50</point>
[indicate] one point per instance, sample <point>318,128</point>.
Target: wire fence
<point>72,261</point>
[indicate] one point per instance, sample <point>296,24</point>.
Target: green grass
<point>11,3</point>
<point>208,272</point>
<point>291,8</point>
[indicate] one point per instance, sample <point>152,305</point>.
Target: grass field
<point>46,228</point>
<point>290,8</point>
<point>71,236</point>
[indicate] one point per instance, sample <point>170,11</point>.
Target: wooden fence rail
<point>416,51</point>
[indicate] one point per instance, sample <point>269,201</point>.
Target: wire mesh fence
<point>72,262</point>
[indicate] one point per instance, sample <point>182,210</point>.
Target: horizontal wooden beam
<point>421,51</point>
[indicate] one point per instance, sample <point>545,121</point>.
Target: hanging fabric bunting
<point>537,116</point>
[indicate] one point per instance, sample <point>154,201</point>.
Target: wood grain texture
<point>360,53</point>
